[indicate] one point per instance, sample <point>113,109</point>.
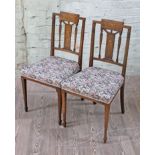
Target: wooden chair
<point>97,84</point>
<point>52,70</point>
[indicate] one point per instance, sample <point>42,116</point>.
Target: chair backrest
<point>111,29</point>
<point>69,22</point>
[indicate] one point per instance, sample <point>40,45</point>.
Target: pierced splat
<point>69,20</point>
<point>112,25</point>
<point>69,17</point>
<point>112,28</point>
<point>67,34</point>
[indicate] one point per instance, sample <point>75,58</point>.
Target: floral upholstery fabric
<point>51,70</point>
<point>96,83</point>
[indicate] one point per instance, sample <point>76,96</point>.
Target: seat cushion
<point>51,70</point>
<point>96,83</point>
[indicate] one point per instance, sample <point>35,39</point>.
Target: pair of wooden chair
<point>66,76</point>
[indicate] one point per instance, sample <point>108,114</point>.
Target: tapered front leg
<point>59,105</point>
<point>64,95</point>
<point>106,120</point>
<point>122,99</point>
<point>24,86</point>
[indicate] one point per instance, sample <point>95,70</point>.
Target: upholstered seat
<point>51,70</point>
<point>96,83</point>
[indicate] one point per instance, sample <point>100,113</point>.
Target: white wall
<point>33,26</point>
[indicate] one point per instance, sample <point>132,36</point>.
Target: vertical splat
<point>67,36</point>
<point>109,45</point>
<point>119,44</point>
<point>75,37</point>
<point>100,44</point>
<point>60,27</point>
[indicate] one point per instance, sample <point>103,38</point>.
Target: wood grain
<point>70,17</point>
<point>109,45</point>
<point>67,36</point>
<point>112,25</point>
